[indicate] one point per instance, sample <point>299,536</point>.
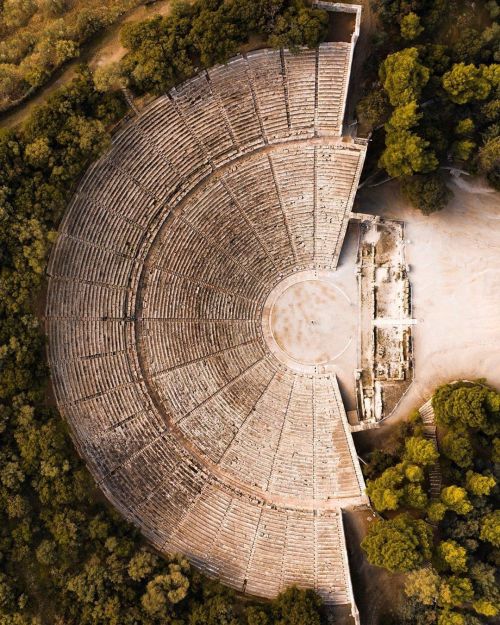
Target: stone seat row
<point>240,223</point>
<point>233,87</point>
<point>258,215</point>
<point>75,299</point>
<point>174,297</point>
<point>186,252</point>
<point>186,386</point>
<point>148,505</point>
<point>174,342</point>
<point>165,161</point>
<point>264,550</point>
<point>279,441</point>
<point>244,526</point>
<point>141,174</point>
<point>201,373</point>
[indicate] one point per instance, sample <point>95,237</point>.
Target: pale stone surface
<point>309,321</point>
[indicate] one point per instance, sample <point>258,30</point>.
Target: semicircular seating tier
<point>208,199</point>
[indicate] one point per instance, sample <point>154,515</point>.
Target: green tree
<point>455,591</point>
<point>256,616</point>
<point>414,473</point>
<point>423,585</point>
<point>411,27</point>
<point>450,617</point>
<point>455,498</point>
<point>403,76</point>
<point>495,457</point>
<point>167,589</point>
<point>491,73</point>
<point>407,153</point>
<point>403,117</point>
<point>465,127</point>
<point>46,553</point>
<point>16,13</point>
<point>488,160</point>
<point>427,192</point>
<point>485,607</point>
<point>435,57</point>
<point>452,555</point>
<point>299,26</point>
<point>399,544</point>
<point>436,511</point>
<point>295,606</point>
<point>386,491</point>
<point>12,83</point>
<point>38,153</point>
<point>373,109</point>
<point>215,36</point>
<point>378,461</point>
<point>484,578</point>
<point>462,150</point>
<point>464,405</point>
<point>420,451</point>
<point>456,446</point>
<point>464,83</point>
<point>108,77</point>
<point>142,565</point>
<point>216,607</point>
<point>479,484</point>
<point>64,50</point>
<point>7,595</point>
<point>490,528</point>
<point>65,528</point>
<point>415,496</point>
<point>158,53</point>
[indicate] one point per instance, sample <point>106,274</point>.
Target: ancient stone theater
<point>192,321</point>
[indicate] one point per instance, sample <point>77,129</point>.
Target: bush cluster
<point>39,36</point>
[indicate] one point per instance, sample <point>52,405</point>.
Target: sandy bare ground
<point>344,277</point>
<point>454,258</point>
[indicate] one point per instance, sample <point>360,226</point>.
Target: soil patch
<point>341,26</point>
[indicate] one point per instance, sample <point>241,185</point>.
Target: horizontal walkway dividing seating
<point>208,199</point>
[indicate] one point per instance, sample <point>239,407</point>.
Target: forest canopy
<point>447,541</point>
<point>39,36</point>
<point>439,61</point>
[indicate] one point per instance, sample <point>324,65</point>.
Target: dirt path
<point>361,53</point>
<point>376,590</point>
<point>101,50</point>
